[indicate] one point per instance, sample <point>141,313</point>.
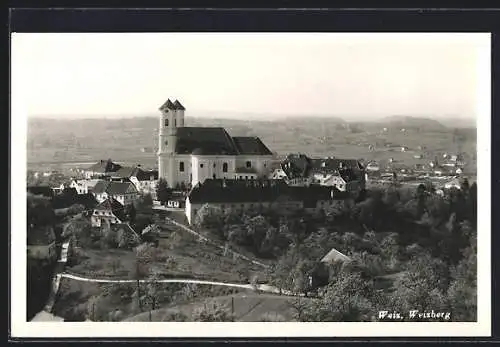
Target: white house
<point>109,211</point>
<point>124,192</point>
<point>81,186</point>
<point>189,155</point>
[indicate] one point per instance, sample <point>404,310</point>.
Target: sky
<point>132,74</point>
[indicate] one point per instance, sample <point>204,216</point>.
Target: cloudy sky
<point>70,75</point>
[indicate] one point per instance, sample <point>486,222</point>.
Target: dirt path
<point>257,287</point>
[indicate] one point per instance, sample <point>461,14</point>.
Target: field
<point>51,143</point>
<point>179,255</point>
<point>78,299</point>
<point>248,307</point>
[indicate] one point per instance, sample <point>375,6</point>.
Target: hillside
<point>407,122</point>
<point>134,140</point>
<point>248,307</point>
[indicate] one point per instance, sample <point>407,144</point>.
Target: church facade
<point>190,155</point>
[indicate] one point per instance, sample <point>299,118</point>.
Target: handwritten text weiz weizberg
<point>414,315</point>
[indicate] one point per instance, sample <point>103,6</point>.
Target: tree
<point>422,286</point>
<point>130,212</point>
<point>126,238</point>
<point>210,217</point>
<point>163,192</point>
<point>347,299</point>
<point>80,231</point>
<point>39,211</point>
<point>462,293</point>
<point>212,313</point>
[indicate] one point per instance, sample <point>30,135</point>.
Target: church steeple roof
<point>178,105</point>
<point>168,104</point>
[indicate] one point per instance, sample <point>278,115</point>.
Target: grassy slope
<point>192,259</point>
<point>248,307</point>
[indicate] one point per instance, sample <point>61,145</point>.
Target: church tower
<point>172,117</point>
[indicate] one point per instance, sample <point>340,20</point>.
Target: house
<point>145,181</point>
<point>189,155</point>
<point>123,191</point>
<point>109,211</point>
<point>41,243</point>
<point>244,195</point>
<point>321,273</point>
<point>343,174</point>
<point>101,168</point>
<point>454,183</point>
<point>372,167</point>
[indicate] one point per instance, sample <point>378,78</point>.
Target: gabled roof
<point>125,172</point>
<point>334,256</point>
<point>248,145</point>
<point>209,140</point>
<point>100,187</point>
<point>119,188</point>
<point>178,105</point>
<point>113,188</point>
<point>92,183</point>
<point>167,105</point>
<point>145,175</point>
<point>104,166</point>
<point>110,204</point>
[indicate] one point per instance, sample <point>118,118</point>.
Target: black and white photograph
<point>255,182</point>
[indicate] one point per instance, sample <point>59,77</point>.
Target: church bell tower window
<point>166,122</point>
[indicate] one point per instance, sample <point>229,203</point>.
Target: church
<point>190,155</point>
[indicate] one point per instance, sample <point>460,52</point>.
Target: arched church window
<point>224,167</point>
<point>166,122</point>
<point>201,166</point>
<point>166,143</point>
<point>181,166</point>
<point>249,164</point>
<point>175,122</point>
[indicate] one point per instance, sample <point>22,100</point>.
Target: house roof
<point>334,256</point>
<point>100,187</point>
<point>178,105</point>
<point>206,140</point>
<point>334,164</point>
<point>295,165</point>
<point>167,105</point>
<point>119,188</point>
<point>113,188</point>
<point>103,166</point>
<point>92,183</point>
<point>241,191</point>
<point>112,205</point>
<point>125,172</point>
<point>145,175</point>
<point>303,166</point>
<point>247,145</point>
